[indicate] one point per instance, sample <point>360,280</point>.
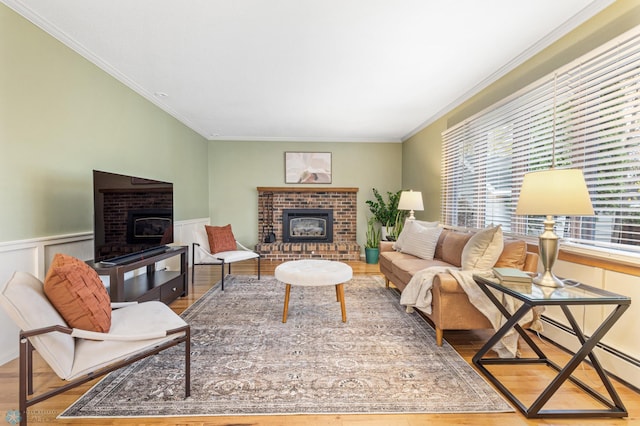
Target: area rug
<point>246,361</point>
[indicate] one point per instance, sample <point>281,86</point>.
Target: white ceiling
<point>307,70</point>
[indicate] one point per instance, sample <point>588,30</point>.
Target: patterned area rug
<point>246,361</point>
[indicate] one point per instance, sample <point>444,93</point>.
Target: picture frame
<point>307,167</point>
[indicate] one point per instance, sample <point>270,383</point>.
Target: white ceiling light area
<point>307,70</point>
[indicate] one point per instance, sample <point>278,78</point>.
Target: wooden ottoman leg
<point>340,291</point>
<point>286,303</point>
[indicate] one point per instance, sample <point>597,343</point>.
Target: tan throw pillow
<point>483,249</point>
<point>513,255</point>
<point>77,293</point>
<point>421,242</point>
<point>443,235</point>
<point>220,238</point>
<point>453,245</point>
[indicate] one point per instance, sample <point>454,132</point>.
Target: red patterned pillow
<point>220,238</point>
<point>76,291</point>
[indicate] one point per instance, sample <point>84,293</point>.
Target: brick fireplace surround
<point>343,201</point>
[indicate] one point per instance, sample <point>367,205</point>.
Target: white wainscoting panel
<point>624,359</point>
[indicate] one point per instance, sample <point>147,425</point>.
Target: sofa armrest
<point>386,246</point>
<point>445,283</point>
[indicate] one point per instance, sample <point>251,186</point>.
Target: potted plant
<point>398,225</point>
<point>371,248</point>
<point>387,213</point>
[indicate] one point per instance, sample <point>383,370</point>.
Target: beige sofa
<point>451,309</point>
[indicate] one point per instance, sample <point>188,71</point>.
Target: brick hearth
<point>343,201</point>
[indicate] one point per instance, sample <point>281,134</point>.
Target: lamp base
<point>547,279</point>
<point>548,247</point>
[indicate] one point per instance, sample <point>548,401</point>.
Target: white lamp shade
<point>554,192</point>
<point>410,200</point>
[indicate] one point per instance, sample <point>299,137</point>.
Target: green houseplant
<point>387,213</point>
<point>371,248</point>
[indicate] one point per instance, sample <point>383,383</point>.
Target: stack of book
<point>514,278</point>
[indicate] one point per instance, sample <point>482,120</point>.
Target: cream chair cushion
<point>139,319</point>
<point>26,304</point>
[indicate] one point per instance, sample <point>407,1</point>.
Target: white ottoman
<point>314,272</point>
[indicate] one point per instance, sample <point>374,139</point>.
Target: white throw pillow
<point>408,228</point>
<point>483,249</point>
<point>422,241</point>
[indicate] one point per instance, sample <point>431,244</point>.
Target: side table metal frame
<point>615,406</point>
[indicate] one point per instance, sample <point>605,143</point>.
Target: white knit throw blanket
<point>417,294</point>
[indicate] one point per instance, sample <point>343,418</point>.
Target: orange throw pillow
<point>220,238</point>
<point>513,255</point>
<point>77,293</point>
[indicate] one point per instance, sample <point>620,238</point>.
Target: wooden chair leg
<point>439,336</point>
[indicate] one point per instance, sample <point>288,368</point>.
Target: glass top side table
<point>573,294</point>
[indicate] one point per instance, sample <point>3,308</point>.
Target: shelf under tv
<point>162,285</point>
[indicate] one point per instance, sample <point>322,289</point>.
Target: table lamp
<point>554,192</point>
<point>410,200</point>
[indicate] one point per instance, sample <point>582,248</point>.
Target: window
<point>585,115</point>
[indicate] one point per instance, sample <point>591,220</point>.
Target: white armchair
<point>137,330</point>
<point>201,254</point>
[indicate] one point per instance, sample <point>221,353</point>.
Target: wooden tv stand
<point>162,285</point>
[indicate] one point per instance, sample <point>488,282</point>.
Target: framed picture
<point>307,167</point>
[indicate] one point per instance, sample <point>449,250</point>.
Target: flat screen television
<point>133,217</point>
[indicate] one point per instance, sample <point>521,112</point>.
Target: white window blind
<point>596,128</point>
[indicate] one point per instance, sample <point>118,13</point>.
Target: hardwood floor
<point>524,383</point>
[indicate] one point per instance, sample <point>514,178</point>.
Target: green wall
<point>236,169</point>
<point>421,168</point>
<point>60,118</point>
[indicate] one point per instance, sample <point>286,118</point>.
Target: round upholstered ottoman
<point>314,272</point>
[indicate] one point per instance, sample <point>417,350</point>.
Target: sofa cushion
<point>409,228</point>
<point>452,247</point>
<point>514,254</point>
<point>443,235</point>
<point>405,268</point>
<point>421,242</point>
<point>387,258</point>
<point>483,249</point>
<point>76,291</point>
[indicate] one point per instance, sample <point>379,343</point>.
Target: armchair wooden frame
<point>26,390</point>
